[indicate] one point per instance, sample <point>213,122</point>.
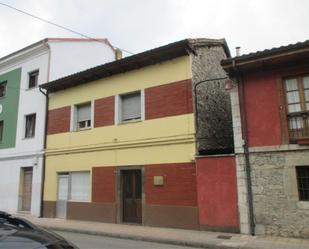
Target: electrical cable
<point>60,26</point>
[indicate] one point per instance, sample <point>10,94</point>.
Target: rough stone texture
<point>277,208</point>
<point>214,121</point>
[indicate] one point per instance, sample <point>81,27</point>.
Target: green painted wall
<point>10,107</point>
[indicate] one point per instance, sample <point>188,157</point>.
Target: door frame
<point>21,188</point>
<point>62,175</point>
<point>119,195</point>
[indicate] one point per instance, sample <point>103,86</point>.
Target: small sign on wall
<point>158,180</point>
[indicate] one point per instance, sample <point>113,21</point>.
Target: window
<point>1,130</point>
<point>130,107</point>
<point>2,89</point>
<point>30,125</point>
<point>83,116</point>
<point>33,79</point>
<point>74,186</point>
<point>80,182</point>
<point>297,98</point>
<point>302,173</point>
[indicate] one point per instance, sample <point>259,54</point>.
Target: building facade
<point>121,145</point>
<point>270,106</point>
<point>23,111</point>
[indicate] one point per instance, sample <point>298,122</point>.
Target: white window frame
<point>69,173</point>
<point>28,81</point>
<point>118,105</point>
<point>73,123</point>
<point>25,123</point>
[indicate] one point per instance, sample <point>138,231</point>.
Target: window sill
<point>78,201</point>
<point>28,138</point>
<point>130,121</point>
<point>303,205</point>
<point>83,129</point>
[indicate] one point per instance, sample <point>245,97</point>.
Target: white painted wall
<point>71,57</point>
<point>67,57</point>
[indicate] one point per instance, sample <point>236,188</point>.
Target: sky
<point>139,25</point>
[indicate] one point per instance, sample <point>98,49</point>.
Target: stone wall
<point>214,124</point>
<point>277,208</point>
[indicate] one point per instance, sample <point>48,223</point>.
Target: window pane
<point>84,112</point>
<point>30,125</point>
<point>302,173</point>
<point>33,79</point>
<point>1,130</point>
<point>294,108</point>
<point>2,89</point>
<point>291,84</point>
<point>293,97</point>
<point>131,106</point>
<point>80,186</point>
<point>306,82</point>
<point>307,95</point>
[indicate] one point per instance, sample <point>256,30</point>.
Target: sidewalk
<point>192,238</point>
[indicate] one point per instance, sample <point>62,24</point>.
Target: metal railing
<point>298,125</point>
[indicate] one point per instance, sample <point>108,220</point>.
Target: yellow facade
<point>155,141</point>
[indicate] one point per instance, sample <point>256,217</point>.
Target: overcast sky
<point>138,25</point>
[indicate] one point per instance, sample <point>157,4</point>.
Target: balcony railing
<point>298,125</point>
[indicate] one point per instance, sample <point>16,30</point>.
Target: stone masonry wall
<point>214,131</point>
<point>277,208</point>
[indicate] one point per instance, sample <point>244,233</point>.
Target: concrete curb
<point>142,238</point>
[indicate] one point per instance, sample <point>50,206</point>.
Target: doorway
<point>27,189</point>
<point>131,180</point>
<point>62,196</point>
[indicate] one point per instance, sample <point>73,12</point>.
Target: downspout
<point>242,105</point>
<point>45,128</point>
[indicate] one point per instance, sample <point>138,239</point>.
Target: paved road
<point>85,241</point>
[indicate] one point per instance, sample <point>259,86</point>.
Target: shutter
<point>80,182</point>
<point>131,106</point>
<point>83,112</point>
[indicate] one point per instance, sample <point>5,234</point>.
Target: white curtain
<point>80,186</point>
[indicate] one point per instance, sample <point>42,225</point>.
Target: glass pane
<point>306,82</point>
<point>296,123</point>
<point>307,95</point>
<point>63,188</point>
<point>294,108</point>
<point>293,97</point>
<point>291,84</point>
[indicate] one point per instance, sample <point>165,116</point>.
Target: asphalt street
<point>85,241</point>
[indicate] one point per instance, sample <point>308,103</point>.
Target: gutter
<point>45,128</point>
<point>239,79</point>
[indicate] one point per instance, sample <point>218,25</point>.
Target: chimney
<point>237,51</point>
<point>118,54</point>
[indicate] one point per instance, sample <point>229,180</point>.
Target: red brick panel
<point>217,192</point>
<point>104,111</point>
<point>168,100</point>
<point>103,184</point>
<point>59,120</point>
<point>179,184</point>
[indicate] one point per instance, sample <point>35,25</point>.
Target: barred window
<point>302,173</point>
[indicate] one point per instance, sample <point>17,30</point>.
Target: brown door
<point>27,189</point>
<point>132,196</point>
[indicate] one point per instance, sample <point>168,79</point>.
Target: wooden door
<point>27,189</point>
<point>132,196</point>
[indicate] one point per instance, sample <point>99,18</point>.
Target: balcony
<point>299,127</point>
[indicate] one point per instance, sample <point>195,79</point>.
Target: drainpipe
<point>45,128</point>
<point>239,78</point>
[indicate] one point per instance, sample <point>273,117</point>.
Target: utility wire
<point>60,26</point>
